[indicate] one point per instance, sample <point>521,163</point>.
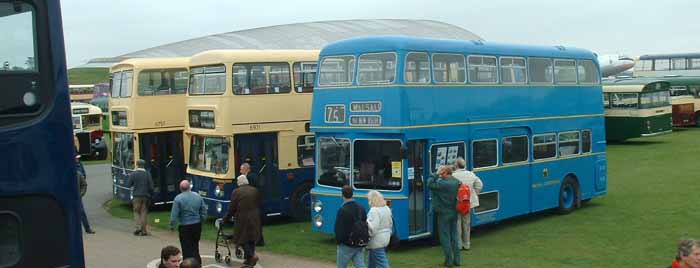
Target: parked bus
<point>252,106</point>
<point>636,107</point>
<point>685,98</point>
<point>388,111</point>
<point>147,108</point>
<point>87,128</point>
<point>39,199</point>
<point>659,65</point>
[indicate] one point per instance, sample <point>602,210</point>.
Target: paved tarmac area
<point>114,245</point>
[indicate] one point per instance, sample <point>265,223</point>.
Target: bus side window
<point>544,146</point>
<point>417,68</point>
<point>569,143</point>
<point>586,141</point>
<point>449,68</point>
<point>540,70</point>
<point>485,153</point>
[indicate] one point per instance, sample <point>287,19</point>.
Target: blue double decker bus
<point>39,199</point>
<point>389,110</point>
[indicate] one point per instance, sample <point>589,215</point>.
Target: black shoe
<point>137,232</point>
<point>144,234</point>
<point>89,231</point>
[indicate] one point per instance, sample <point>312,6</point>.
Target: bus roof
<point>252,55</point>
<point>669,56</point>
<point>369,44</point>
<point>638,84</point>
<point>150,63</point>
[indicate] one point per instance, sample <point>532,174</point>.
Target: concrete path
<point>114,246</point>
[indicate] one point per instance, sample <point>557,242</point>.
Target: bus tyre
<point>569,197</point>
<point>697,119</point>
<point>301,202</point>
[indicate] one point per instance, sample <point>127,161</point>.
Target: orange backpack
<point>463,199</point>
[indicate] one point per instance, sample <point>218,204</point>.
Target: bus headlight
<point>115,190</point>
<point>318,221</point>
<point>318,206</point>
<point>114,179</point>
<point>219,207</point>
<point>131,195</point>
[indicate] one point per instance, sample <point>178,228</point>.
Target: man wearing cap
<point>82,184</point>
<point>189,211</point>
<point>141,186</point>
<point>244,206</point>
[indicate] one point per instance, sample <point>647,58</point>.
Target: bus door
<point>444,153</point>
<point>260,151</point>
<point>163,155</point>
<point>514,175</point>
<point>417,188</point>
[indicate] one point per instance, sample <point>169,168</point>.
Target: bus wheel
<point>697,119</point>
<point>568,195</point>
<point>301,202</point>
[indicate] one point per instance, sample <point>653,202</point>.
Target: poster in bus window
<point>452,154</point>
<point>440,157</point>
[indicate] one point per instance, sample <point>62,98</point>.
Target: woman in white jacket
<point>380,225</point>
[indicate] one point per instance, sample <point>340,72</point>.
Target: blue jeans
<point>346,254</point>
<point>377,258</point>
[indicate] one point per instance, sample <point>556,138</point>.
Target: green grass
<point>652,201</point>
<point>84,76</point>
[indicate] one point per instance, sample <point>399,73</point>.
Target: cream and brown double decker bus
<point>147,110</point>
<point>252,106</point>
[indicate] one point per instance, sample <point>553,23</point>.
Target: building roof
<point>311,35</point>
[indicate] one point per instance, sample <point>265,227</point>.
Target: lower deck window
<point>544,146</point>
<point>305,151</point>
<point>569,143</point>
<point>209,154</point>
<point>123,150</point>
<point>378,164</point>
<point>334,161</point>
<point>485,153</point>
<point>487,202</point>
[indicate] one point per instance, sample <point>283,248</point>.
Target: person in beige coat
<point>475,185</point>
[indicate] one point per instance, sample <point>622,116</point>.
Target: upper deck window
<point>261,78</point>
<point>334,161</point>
<point>304,76</point>
<point>377,164</point>
<point>540,70</point>
<point>643,65</point>
<point>513,70</point>
<point>449,68</point>
<point>376,68</point>
<point>662,64</point>
<point>116,84</point>
<point>565,71</point>
<point>207,80</point>
<point>588,72</point>
<point>337,71</point>
<point>417,68</point>
<point>483,69</point>
<point>162,82</point>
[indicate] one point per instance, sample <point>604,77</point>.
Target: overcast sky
<point>109,28</point>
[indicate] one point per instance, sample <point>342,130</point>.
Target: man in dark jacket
<point>348,214</point>
<point>82,184</point>
<point>245,201</point>
<point>141,186</point>
<point>253,181</point>
<point>444,202</point>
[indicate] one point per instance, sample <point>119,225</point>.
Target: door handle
<point>545,172</point>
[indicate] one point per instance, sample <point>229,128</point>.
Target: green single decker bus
<point>636,107</point>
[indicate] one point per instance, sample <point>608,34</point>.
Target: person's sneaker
<point>137,232</point>
<point>89,231</point>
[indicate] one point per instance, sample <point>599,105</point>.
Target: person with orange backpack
<point>443,192</point>
<point>474,185</point>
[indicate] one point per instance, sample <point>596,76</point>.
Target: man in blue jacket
<point>189,210</point>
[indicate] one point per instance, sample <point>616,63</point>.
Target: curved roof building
<point>311,35</point>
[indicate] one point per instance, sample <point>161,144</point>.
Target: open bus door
<point>417,188</point>
<point>164,159</point>
<point>259,150</point>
